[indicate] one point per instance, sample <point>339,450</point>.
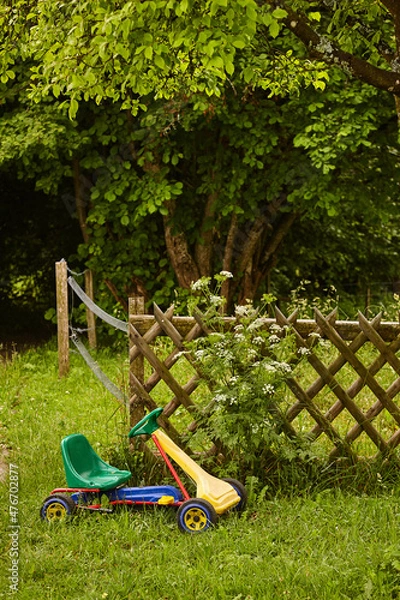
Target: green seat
<point>85,469</point>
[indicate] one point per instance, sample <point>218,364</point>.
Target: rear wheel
<point>196,515</point>
<point>241,492</point>
<point>57,507</point>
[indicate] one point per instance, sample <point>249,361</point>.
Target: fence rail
<point>339,409</point>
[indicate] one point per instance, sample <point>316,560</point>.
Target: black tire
<point>241,491</point>
<point>57,507</point>
<point>196,515</point>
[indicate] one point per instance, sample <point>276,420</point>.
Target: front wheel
<point>241,492</point>
<point>57,507</point>
<point>195,516</point>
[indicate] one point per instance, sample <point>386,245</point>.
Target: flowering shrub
<point>247,367</point>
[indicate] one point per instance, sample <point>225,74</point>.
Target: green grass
<point>323,545</point>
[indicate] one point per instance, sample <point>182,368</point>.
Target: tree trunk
<point>226,288</point>
<point>256,270</point>
<point>204,247</point>
<point>178,251</point>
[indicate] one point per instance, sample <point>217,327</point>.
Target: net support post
<point>136,366</point>
<point>90,316</point>
<point>62,318</point>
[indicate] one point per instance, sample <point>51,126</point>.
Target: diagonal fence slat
<point>305,401</point>
<point>180,341</point>
<point>135,356</point>
<point>151,405</point>
<point>314,389</point>
<point>160,367</point>
<point>150,336</point>
<point>352,391</point>
<point>387,354</point>
<point>359,368</point>
<point>161,325</point>
<point>334,385</point>
<point>378,342</point>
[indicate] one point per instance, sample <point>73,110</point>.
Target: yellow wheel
<point>57,508</point>
<point>195,516</point>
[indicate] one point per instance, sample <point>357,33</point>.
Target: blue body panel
<point>151,494</point>
<point>145,494</point>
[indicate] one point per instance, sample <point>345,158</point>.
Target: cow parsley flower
<point>304,351</point>
<point>268,389</point>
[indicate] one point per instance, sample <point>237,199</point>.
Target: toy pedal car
<point>89,478</point>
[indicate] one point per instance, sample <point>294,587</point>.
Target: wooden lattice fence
<point>316,406</point>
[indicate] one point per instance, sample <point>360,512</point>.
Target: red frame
<point>171,468</point>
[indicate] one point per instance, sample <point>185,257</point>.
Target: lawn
<point>326,544</point>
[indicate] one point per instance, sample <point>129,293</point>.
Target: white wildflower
<point>268,388</point>
<point>241,311</point>
<point>200,284</point>
<point>275,328</point>
<point>246,388</point>
<point>218,398</point>
<point>216,300</point>
<point>314,334</point>
<point>226,274</point>
<point>324,343</point>
<point>239,337</point>
<point>270,367</point>
<point>256,324</point>
<point>285,367</point>
<point>304,351</point>
<point>274,339</point>
<point>258,341</point>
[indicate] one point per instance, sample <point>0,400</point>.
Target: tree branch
<point>326,50</point>
<point>116,295</point>
<point>279,233</point>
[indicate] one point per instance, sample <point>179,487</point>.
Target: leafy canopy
<point>81,50</point>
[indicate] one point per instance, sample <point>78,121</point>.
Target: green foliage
<point>124,52</point>
<point>39,142</point>
<point>234,124</point>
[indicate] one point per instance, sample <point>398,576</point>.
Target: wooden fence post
<point>90,316</point>
<point>136,307</point>
<point>62,318</point>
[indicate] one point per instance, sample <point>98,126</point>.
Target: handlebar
<point>147,425</point>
